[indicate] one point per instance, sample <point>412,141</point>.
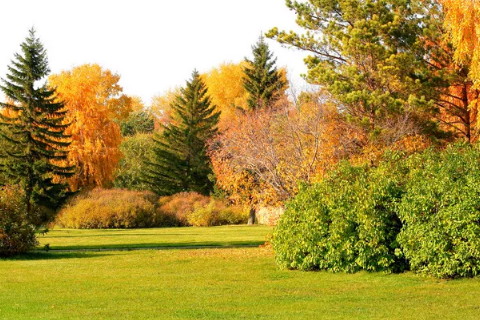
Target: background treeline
<point>396,83</point>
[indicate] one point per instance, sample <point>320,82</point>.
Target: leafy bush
<point>217,213</point>
<point>179,206</point>
<point>115,208</point>
<point>135,150</point>
<point>422,213</point>
<point>137,122</point>
<point>347,222</point>
<point>441,213</point>
<point>17,233</point>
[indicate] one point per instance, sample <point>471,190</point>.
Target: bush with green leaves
<point>420,212</point>
<point>347,222</point>
<point>135,150</point>
<point>137,122</point>
<point>17,232</point>
<point>441,213</point>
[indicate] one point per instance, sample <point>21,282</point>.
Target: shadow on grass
<point>52,255</point>
<point>158,246</point>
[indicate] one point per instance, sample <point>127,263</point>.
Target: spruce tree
<point>180,161</point>
<point>262,80</point>
<point>32,127</point>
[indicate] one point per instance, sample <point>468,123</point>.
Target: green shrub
<point>17,233</point>
<point>347,222</point>
<point>217,213</point>
<point>441,213</point>
<point>135,150</point>
<point>114,208</point>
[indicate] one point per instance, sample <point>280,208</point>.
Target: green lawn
<point>215,283</point>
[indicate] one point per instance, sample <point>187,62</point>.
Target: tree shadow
<point>52,255</point>
<point>159,246</point>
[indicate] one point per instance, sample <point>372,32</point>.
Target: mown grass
<point>219,283</point>
<point>223,236</point>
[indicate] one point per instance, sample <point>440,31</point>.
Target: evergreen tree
<point>180,161</point>
<point>377,59</point>
<point>262,80</point>
<point>32,128</point>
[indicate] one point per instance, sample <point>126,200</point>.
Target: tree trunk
<point>252,216</point>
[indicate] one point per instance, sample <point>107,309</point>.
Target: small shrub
<point>441,213</point>
<point>17,233</point>
<point>179,206</point>
<point>217,213</point>
<point>114,208</point>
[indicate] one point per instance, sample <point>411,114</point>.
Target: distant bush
<point>345,223</point>
<point>114,208</point>
<point>217,213</point>
<point>179,206</point>
<point>441,213</point>
<point>194,209</point>
<point>117,208</point>
<point>17,233</point>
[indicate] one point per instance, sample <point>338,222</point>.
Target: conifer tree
<point>180,161</point>
<point>32,127</point>
<point>262,80</point>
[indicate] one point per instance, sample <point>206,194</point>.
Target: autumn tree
<point>263,82</point>
<point>370,55</point>
<point>34,131</point>
<point>180,162</point>
<point>264,155</point>
<point>95,104</point>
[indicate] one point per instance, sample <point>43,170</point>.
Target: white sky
<point>153,45</point>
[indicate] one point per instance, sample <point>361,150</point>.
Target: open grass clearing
<point>215,283</point>
<point>239,283</point>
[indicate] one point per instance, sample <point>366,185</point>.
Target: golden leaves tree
<point>462,19</point>
<point>94,101</point>
<point>225,87</point>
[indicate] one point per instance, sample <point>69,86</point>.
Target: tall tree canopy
<point>371,56</point>
<point>33,127</point>
<point>180,162</point>
<point>95,104</point>
<point>263,82</point>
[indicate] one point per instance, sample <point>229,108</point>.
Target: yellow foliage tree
<point>225,87</point>
<point>94,101</point>
<point>462,20</point>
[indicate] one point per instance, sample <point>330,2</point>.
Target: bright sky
<point>153,45</point>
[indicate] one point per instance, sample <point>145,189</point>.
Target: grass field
<point>214,283</point>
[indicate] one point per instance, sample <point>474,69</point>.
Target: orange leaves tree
<point>263,155</point>
<point>95,101</point>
